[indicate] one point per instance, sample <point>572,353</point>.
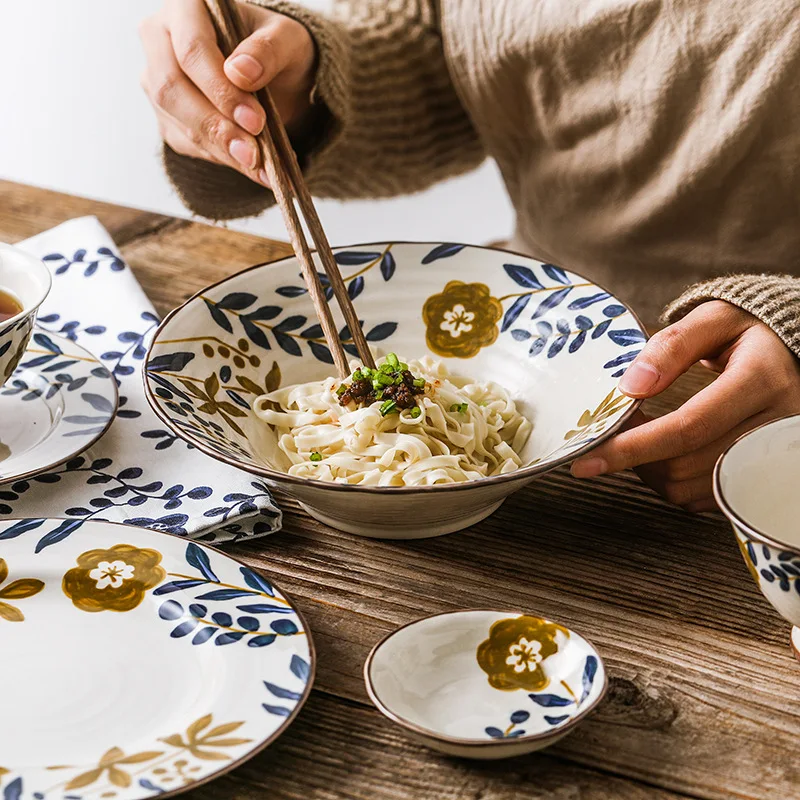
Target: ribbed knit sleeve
<point>773,299</point>
<point>388,122</point>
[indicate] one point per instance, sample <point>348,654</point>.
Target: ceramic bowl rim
<point>263,471</point>
<point>312,674</point>
<point>31,473</point>
<point>44,272</point>
<point>476,743</point>
<point>725,506</point>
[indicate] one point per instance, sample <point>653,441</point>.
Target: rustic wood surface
<point>703,698</point>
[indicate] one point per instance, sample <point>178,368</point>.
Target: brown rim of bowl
<point>727,510</point>
<point>476,743</point>
<point>312,653</point>
<point>284,478</point>
<point>39,470</point>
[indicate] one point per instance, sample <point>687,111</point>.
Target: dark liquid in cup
<point>9,306</point>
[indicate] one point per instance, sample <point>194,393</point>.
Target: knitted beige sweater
<point>648,144</point>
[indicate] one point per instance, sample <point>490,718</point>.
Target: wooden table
<point>703,698</point>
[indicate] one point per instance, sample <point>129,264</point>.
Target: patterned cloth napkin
<point>138,472</point>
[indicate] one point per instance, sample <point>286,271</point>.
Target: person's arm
<point>746,328</point>
<point>772,299</point>
<point>386,118</point>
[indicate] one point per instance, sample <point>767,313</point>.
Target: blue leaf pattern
<point>513,312</point>
<point>574,332</point>
<point>550,700</point>
<point>524,276</point>
<point>198,558</point>
<point>300,668</point>
<point>442,251</point>
<point>122,341</point>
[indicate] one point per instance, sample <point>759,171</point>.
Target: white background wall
<point>73,118</point>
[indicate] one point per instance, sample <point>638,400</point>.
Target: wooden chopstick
<point>287,182</point>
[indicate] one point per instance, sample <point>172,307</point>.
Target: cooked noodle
<point>464,431</point>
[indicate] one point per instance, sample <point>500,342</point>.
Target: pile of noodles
<point>463,431</point>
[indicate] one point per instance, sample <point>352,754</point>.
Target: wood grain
<point>343,751</point>
<point>703,698</point>
<point>172,258</point>
<point>702,679</point>
<point>25,211</point>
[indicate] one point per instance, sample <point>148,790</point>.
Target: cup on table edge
<point>27,279</point>
<point>757,487</point>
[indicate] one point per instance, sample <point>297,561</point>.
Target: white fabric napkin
<point>138,472</point>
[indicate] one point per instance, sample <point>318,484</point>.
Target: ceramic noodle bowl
<point>756,485</point>
<point>485,684</point>
<point>556,341</point>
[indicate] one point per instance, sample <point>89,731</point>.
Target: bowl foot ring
<point>426,531</point>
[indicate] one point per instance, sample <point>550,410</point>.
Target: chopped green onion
<point>379,394</point>
<point>388,407</point>
<point>341,390</point>
<point>419,382</point>
<point>385,380</point>
<point>357,375</point>
<point>461,408</point>
<point>416,412</point>
<point>403,367</point>
<point>315,457</point>
<point>393,360</point>
<point>367,373</point>
<point>398,379</point>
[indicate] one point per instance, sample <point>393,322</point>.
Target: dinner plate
<point>58,402</point>
<point>136,663</point>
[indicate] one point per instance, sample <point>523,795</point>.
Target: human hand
<point>675,454</point>
<point>203,102</point>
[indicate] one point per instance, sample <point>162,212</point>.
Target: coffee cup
<point>24,281</point>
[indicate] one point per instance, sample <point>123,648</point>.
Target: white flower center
<point>524,655</point>
<point>457,321</point>
<point>111,574</point>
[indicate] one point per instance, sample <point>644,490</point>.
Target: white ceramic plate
<point>58,402</point>
<point>136,663</point>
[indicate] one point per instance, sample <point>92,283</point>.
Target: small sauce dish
<point>485,684</point>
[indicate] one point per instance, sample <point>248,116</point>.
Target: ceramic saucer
<point>58,402</point>
<point>485,684</point>
<point>142,664</point>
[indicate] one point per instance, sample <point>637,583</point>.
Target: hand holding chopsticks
<point>287,183</point>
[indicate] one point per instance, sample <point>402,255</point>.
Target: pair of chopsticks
<point>286,180</point>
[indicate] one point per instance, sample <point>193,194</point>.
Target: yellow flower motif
<point>112,574</point>
<point>457,321</point>
<point>199,741</point>
<point>513,656</point>
<point>110,763</point>
<point>16,590</point>
<point>210,405</point>
<point>525,655</point>
<point>113,580</point>
<point>462,319</point>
